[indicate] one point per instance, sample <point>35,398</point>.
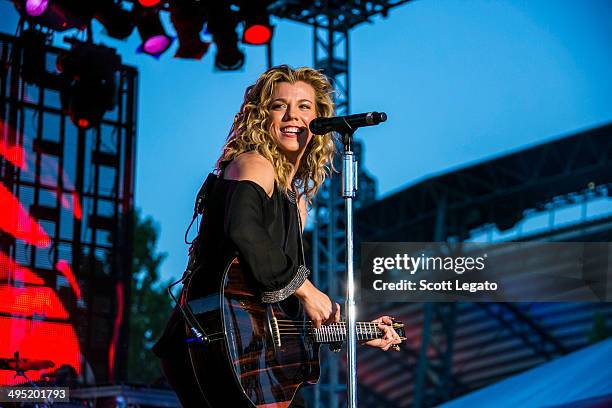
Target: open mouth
<point>292,131</point>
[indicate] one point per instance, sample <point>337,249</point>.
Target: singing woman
<point>269,170</point>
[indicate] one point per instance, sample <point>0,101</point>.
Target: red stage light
<point>149,3</point>
<point>76,206</point>
<point>66,270</point>
<point>32,339</point>
<point>257,34</point>
<point>11,270</point>
<point>30,301</point>
<point>116,328</point>
<point>15,220</point>
<point>14,154</point>
<point>83,123</point>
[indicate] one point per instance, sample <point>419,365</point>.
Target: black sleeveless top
<point>240,218</point>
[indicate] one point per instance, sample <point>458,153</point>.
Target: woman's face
<point>291,110</point>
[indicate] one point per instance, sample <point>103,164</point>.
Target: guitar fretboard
<point>336,332</point>
<point>332,333</point>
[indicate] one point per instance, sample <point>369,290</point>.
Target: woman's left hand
<point>390,337</point>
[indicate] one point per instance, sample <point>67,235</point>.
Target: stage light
<point>154,38</point>
<point>257,34</point>
<point>188,20</point>
<point>257,28</point>
<point>35,8</point>
<point>58,15</point>
<point>222,23</point>
<point>88,73</point>
<point>33,69</point>
<point>149,3</point>
<point>119,23</point>
<point>229,57</point>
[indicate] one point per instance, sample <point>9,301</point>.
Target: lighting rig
<point>219,19</point>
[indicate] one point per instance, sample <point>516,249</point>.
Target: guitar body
<point>246,363</point>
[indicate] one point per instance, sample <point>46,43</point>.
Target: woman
<point>270,168</point>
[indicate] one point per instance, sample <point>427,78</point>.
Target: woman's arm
<point>269,264</point>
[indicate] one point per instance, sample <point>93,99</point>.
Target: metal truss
<point>344,15</point>
<point>80,189</point>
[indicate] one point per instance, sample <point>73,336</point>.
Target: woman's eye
<point>304,106</point>
<point>278,106</point>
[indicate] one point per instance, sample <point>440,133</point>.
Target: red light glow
<point>148,3</point>
<point>13,153</point>
<point>25,303</point>
<point>116,327</point>
<point>82,123</point>
<point>12,271</point>
<point>33,338</point>
<point>30,301</point>
<point>15,220</point>
<point>76,206</point>
<point>257,34</point>
<point>66,271</point>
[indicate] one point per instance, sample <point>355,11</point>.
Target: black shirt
<point>240,218</point>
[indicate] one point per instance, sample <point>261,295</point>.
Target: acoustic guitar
<point>254,354</point>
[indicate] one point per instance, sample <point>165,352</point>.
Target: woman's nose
<point>290,113</point>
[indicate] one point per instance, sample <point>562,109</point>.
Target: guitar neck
<point>336,332</point>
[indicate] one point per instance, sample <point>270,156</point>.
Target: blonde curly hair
<point>251,130</point>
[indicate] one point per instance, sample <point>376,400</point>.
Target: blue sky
<point>461,81</point>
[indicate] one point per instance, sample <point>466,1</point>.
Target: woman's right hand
<point>317,305</point>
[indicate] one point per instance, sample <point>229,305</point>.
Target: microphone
<point>344,124</point>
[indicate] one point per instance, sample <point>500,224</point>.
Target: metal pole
<point>349,186</point>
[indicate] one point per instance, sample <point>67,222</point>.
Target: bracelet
<point>282,294</point>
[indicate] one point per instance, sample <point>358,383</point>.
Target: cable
<point>200,335</point>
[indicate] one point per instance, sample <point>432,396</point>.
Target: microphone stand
<point>349,188</point>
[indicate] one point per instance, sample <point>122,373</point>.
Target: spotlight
<point>229,57</point>
<point>58,15</point>
<point>188,20</point>
<point>154,38</point>
<point>257,34</point>
<point>222,23</point>
<point>149,3</point>
<point>257,28</point>
<point>119,23</point>
<point>35,8</point>
<point>88,73</point>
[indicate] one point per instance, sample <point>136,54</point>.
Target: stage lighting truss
<point>88,75</point>
<point>119,17</point>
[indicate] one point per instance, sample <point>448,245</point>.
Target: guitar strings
<point>366,329</point>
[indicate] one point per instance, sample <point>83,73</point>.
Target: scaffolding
<point>78,186</point>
